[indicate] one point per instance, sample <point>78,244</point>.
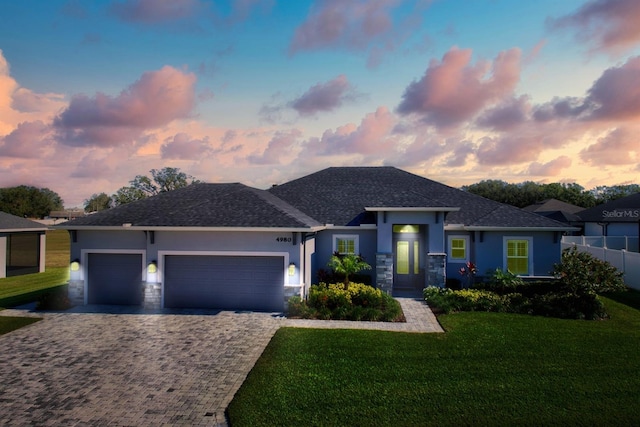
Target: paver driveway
<point>128,369</point>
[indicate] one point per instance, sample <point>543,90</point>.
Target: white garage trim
<point>162,254</point>
<point>84,262</point>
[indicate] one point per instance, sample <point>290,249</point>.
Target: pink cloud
<point>324,97</point>
<point>27,141</point>
<point>158,98</point>
<point>507,115</point>
<point>27,101</point>
<point>611,25</point>
<point>182,146</point>
<point>372,137</point>
<point>156,11</point>
<point>280,147</point>
<point>552,168</point>
<point>616,94</point>
<point>337,22</point>
<point>357,25</point>
<point>453,90</point>
<point>618,147</point>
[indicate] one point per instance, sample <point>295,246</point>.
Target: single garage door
<point>226,282</point>
<point>115,279</point>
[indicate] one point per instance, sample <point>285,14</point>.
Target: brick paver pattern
<point>139,368</point>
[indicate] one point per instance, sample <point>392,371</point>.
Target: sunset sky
<point>261,92</point>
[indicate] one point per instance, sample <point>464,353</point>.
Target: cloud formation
<point>609,25</point>
<point>552,168</point>
<point>182,146</point>
<point>618,147</point>
<point>454,90</point>
<point>324,97</point>
<point>27,141</point>
<point>156,11</point>
<point>156,99</point>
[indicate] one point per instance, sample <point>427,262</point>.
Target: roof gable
<point>625,209</point>
<point>202,205</point>
<point>10,222</point>
<point>339,195</point>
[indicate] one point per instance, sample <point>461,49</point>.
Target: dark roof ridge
<point>285,207</point>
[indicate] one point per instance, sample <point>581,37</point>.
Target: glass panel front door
<point>409,258</point>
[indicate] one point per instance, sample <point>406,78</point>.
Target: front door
<point>409,259</point>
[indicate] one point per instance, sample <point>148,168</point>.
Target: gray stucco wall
<point>324,249</point>
<point>489,252</point>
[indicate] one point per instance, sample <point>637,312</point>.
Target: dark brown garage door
<point>224,282</point>
<point>115,279</point>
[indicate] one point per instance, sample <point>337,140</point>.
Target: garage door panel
<point>226,282</point>
<point>115,279</point>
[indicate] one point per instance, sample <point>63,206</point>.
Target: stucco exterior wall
<point>490,251</point>
<point>324,249</point>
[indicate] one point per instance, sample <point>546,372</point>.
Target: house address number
<point>283,239</point>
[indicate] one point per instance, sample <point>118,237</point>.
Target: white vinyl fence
<point>624,258</point>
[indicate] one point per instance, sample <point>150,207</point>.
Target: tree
<point>162,180</point>
<point>98,202</point>
<point>604,194</point>
<point>28,201</point>
<point>528,192</point>
<point>347,264</point>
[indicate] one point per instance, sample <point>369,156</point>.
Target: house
<point>620,217</point>
<point>22,246</point>
<point>556,209</point>
<point>236,247</point>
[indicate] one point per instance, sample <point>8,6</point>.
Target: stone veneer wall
<point>152,295</point>
<point>384,272</point>
<point>76,292</point>
<point>437,269</point>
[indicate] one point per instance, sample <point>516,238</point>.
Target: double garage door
<point>192,281</point>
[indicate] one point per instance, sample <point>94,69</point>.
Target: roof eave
<point>200,229</point>
<point>412,209</point>
<point>15,230</point>
<point>495,228</point>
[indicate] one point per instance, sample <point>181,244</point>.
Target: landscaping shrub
<point>449,300</point>
<point>357,302</point>
<point>580,271</point>
<point>501,282</point>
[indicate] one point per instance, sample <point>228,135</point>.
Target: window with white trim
<point>518,253</point>
<point>458,248</point>
<point>345,244</point>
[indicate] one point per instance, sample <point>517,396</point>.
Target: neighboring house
<point>556,209</point>
<point>620,217</point>
<point>22,246</point>
<point>236,247</point>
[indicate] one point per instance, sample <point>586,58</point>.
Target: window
<point>518,255</point>
<point>458,248</point>
<point>346,244</point>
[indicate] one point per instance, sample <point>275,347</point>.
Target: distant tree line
<point>528,193</point>
<point>29,202</point>
<point>141,187</point>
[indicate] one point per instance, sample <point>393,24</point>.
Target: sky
<point>263,92</point>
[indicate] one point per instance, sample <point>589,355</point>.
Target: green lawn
<point>487,369</point>
<point>23,289</point>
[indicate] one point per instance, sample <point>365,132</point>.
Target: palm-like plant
<point>347,264</point>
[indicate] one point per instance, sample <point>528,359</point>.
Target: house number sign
<point>283,239</point>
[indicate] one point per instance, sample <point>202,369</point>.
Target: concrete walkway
<point>420,319</point>
<point>102,365</point>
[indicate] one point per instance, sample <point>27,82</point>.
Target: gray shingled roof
<point>339,195</point>
<point>629,203</point>
<point>202,205</point>
<point>552,205</point>
<point>12,222</point>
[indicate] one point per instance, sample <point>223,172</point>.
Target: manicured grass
<point>24,289</point>
<point>487,369</point>
<point>8,324</point>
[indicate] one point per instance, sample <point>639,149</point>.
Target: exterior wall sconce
<point>152,267</point>
<point>292,269</point>
<point>75,265</point>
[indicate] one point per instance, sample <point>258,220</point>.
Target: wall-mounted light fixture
<point>75,265</point>
<point>152,267</point>
<point>292,269</point>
